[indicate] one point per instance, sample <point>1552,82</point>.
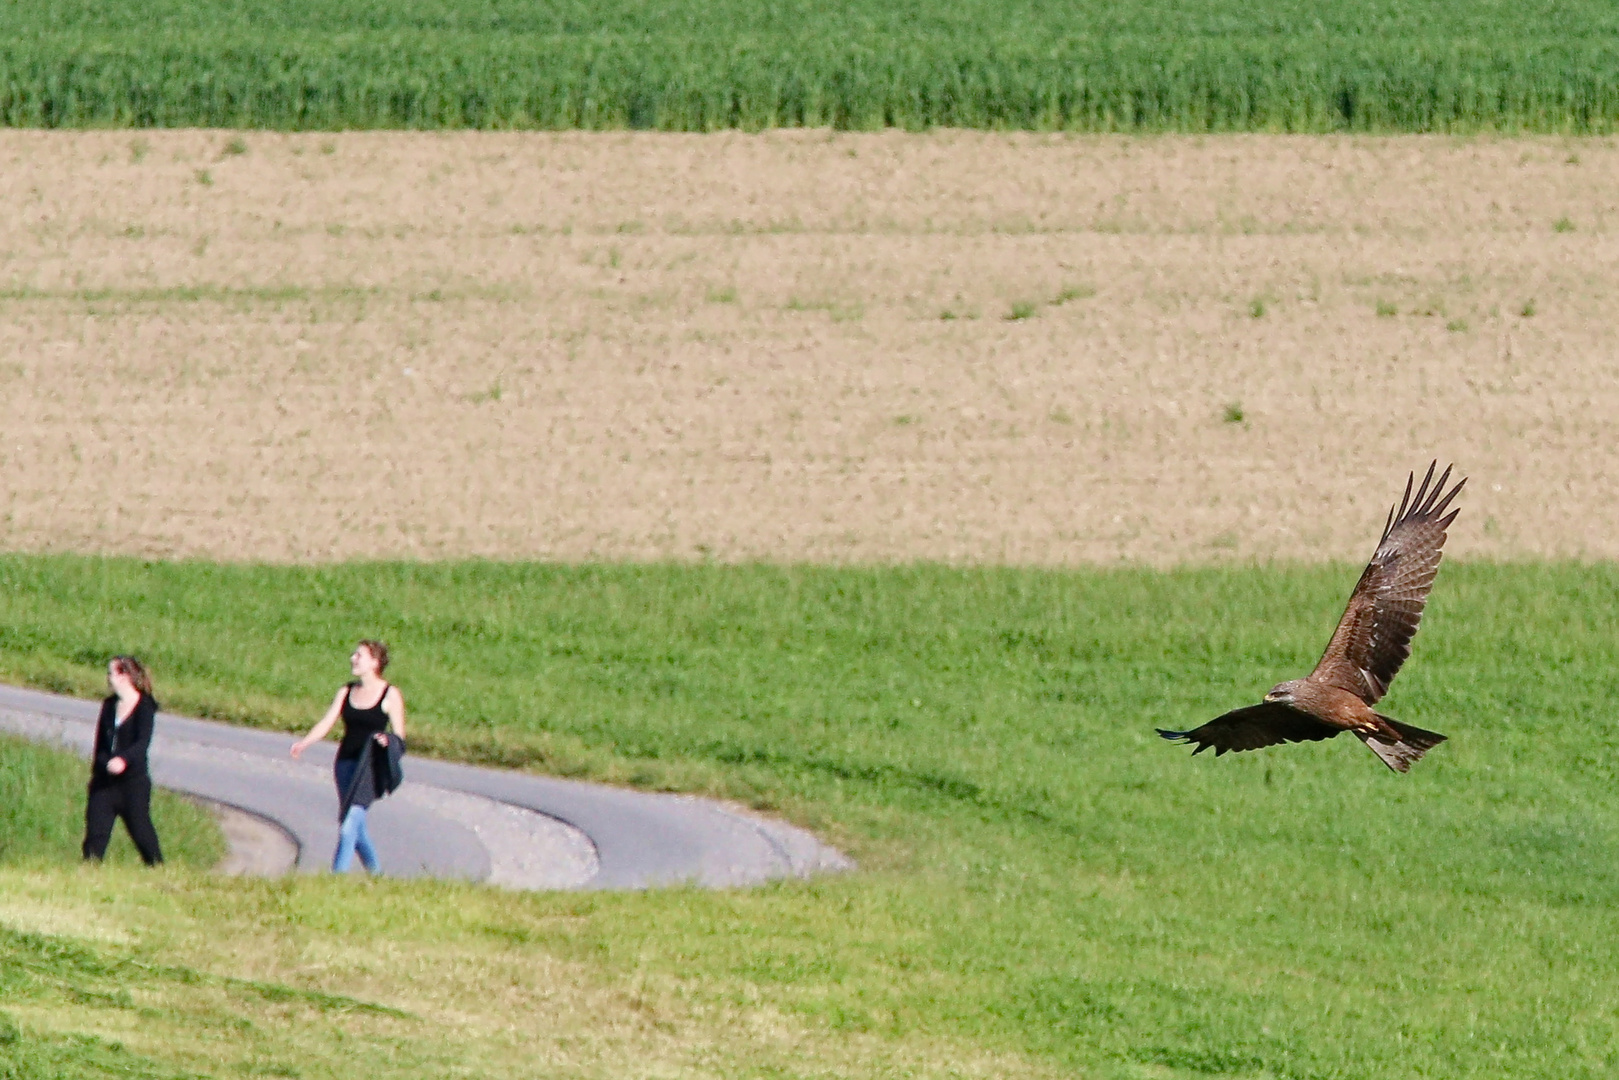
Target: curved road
<point>449,820</point>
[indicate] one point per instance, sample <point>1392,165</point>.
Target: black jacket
<point>376,774</point>
<point>128,740</point>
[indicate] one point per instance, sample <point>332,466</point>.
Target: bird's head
<point>1283,692</point>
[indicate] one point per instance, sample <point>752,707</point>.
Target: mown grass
<point>41,974</point>
<point>1042,877</point>
<point>1212,65</point>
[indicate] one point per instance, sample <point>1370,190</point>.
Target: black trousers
<point>128,799</point>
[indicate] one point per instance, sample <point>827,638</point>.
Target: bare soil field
<point>801,345</point>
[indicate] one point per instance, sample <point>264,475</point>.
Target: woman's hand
<point>298,748</point>
<point>116,766</point>
<point>382,738</point>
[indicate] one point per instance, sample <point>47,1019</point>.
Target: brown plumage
<point>1372,640</point>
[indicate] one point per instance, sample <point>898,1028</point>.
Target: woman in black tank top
<point>359,725</point>
<point>364,725</point>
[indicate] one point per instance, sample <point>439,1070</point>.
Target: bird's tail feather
<point>1399,756</point>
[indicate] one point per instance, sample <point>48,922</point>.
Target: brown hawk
<point>1372,640</point>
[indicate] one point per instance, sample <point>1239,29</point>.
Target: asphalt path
<point>448,820</point>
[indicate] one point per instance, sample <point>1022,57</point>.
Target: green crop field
<point>1042,877</point>
<point>696,65</point>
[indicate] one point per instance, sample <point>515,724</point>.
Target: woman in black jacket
<point>120,786</point>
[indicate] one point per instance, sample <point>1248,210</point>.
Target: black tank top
<point>360,724</point>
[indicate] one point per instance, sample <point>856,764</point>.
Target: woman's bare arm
<point>318,732</point>
<point>393,706</point>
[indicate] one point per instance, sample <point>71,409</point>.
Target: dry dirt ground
<point>801,345</point>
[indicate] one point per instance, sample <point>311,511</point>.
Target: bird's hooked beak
<point>1280,693</point>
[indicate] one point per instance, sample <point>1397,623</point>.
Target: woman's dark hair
<point>136,673</point>
<point>378,650</point>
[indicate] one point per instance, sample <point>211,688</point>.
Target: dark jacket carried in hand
<point>129,740</point>
<point>388,762</point>
<point>377,772</point>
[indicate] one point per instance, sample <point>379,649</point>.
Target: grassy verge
<point>1047,886</point>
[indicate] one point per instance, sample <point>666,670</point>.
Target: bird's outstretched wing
<point>1374,637</point>
<point>1265,724</point>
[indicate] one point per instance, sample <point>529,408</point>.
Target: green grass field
<point>1042,878</point>
<point>1210,65</point>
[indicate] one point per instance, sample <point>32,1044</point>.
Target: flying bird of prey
<point>1372,640</point>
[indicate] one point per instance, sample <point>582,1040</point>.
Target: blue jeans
<point>352,836</point>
